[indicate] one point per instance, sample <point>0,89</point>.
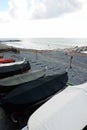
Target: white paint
<point>12,63</point>
<point>65,111</point>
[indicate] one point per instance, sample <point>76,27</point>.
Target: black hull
<point>23,115</point>
<point>20,79</point>
<point>34,92</point>
<point>4,90</point>
<point>7,71</point>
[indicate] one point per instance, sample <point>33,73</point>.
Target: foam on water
<point>48,43</point>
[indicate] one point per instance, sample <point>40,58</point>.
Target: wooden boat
<point>13,63</point>
<point>64,111</point>
<point>2,60</point>
<point>11,69</point>
<point>31,95</point>
<point>9,83</point>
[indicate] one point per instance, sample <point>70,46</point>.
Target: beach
<point>56,61</point>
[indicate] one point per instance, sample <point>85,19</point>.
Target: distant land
<point>10,40</point>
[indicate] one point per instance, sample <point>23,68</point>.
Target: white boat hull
<point>65,111</point>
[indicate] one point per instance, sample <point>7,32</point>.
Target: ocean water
<point>46,43</point>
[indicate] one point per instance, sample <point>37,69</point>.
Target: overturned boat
<point>14,68</point>
<point>10,60</point>
<point>13,63</point>
<point>9,83</point>
<point>31,95</point>
<point>64,111</point>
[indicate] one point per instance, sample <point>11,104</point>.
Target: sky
<point>43,18</point>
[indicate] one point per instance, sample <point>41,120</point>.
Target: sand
<point>56,61</point>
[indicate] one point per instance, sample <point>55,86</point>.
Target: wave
<point>47,43</point>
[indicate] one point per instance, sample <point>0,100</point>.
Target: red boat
<point>2,60</point>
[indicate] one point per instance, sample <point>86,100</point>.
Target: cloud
<point>4,16</point>
<point>38,9</point>
<point>18,9</point>
<point>51,8</point>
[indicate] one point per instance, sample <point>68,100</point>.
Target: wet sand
<point>56,61</point>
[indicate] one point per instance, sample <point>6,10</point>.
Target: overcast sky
<point>43,18</point>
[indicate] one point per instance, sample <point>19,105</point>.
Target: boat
<point>64,111</point>
<point>14,68</point>
<point>2,60</point>
<point>9,83</point>
<point>31,95</point>
<point>13,63</point>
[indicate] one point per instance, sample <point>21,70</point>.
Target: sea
<point>44,43</point>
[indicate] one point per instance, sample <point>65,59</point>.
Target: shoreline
<point>4,47</point>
